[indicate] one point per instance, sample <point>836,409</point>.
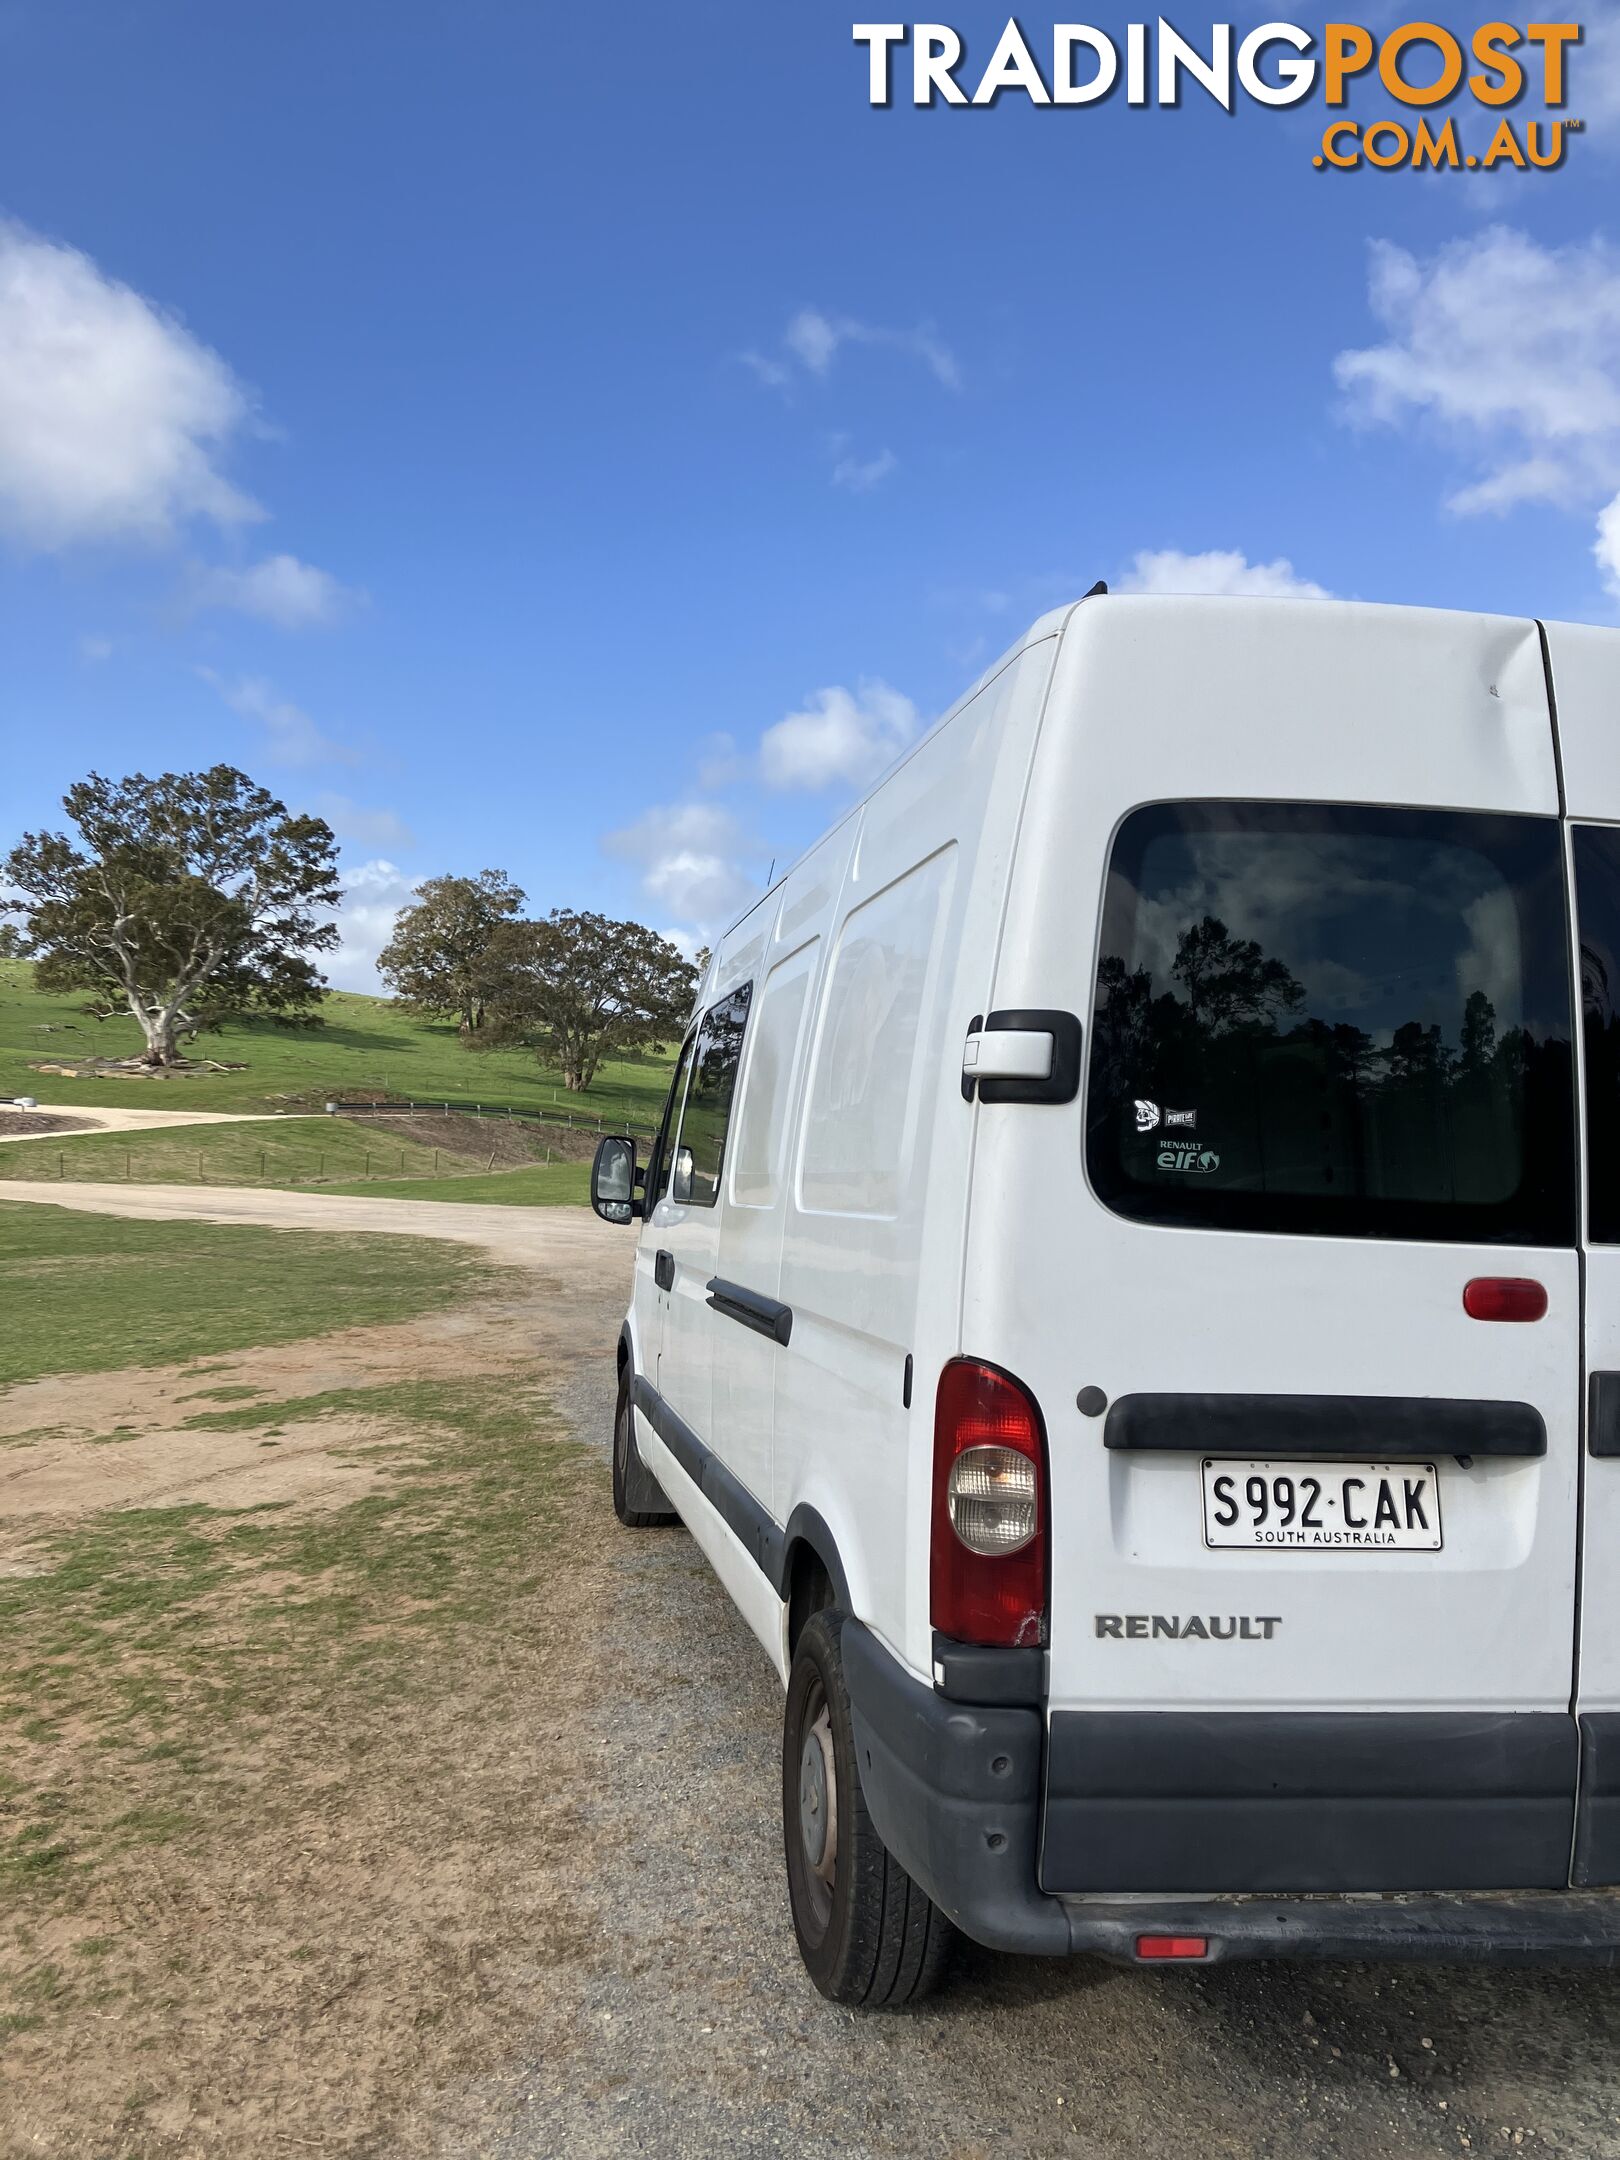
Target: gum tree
<point>184,901</point>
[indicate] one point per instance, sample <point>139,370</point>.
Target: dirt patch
<point>298,1801</point>
<point>492,1142</point>
<point>22,1124</point>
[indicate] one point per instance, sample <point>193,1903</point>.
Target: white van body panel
<point>1310,702</point>
<point>1586,682</point>
<point>1585,669</point>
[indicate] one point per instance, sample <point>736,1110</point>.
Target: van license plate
<point>1322,1507</point>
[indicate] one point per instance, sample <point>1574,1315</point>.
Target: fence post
<point>320,1166</point>
<point>491,1163</point>
<point>261,1166</point>
<point>201,1180</point>
<point>127,1172</point>
<point>61,1169</point>
<point>368,1166</point>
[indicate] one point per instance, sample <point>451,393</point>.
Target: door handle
<point>1603,1414</point>
<point>664,1269</point>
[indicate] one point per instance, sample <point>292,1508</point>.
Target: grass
<point>184,1648</point>
<point>541,1185</point>
<point>294,1151</point>
<point>82,1293</point>
<point>366,1044</point>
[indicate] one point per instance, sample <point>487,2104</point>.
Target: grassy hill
<point>366,1047</point>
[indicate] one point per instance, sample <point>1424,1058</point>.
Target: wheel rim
<point>818,1808</point>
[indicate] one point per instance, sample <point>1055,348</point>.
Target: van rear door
<point>1313,1565</point>
<point>1585,665</point>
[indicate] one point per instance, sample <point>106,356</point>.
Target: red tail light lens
<point>989,1557</point>
<point>1172,1946</point>
<point>1504,1297</point>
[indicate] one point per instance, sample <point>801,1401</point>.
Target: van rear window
<point>1328,1020</point>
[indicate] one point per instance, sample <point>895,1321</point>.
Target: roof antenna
<point>1096,592</point>
<point>770,875</point>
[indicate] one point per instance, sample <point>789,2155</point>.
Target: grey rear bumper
<point>955,1792</point>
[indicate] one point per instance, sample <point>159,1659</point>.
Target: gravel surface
<point>697,2032</point>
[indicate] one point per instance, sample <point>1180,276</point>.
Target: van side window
<point>761,1141</point>
<point>700,1152</point>
<point>664,1147</point>
<point>1597,902</point>
<point>1339,1021</point>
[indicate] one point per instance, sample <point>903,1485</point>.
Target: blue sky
<point>588,442</point>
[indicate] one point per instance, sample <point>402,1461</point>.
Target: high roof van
<point>1127,1298</point>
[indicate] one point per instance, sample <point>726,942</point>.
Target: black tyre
<point>868,1935</point>
<point>638,1498</point>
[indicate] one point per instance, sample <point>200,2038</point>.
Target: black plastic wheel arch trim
<point>1062,1083</point>
<point>1375,1428</point>
<point>765,1315</point>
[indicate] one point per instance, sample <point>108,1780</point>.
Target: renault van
<point>1127,1298</point>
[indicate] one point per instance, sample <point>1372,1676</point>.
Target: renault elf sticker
<point>1197,1162</point>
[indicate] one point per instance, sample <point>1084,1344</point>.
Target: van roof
<point>1050,625</point>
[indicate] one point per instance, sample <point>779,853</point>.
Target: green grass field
<point>291,1151</point>
<point>82,1293</point>
<point>541,1185</point>
<point>366,1044</point>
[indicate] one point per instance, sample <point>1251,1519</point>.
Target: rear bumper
<point>955,1790</point>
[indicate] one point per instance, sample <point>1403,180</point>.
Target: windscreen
<point>1335,1020</point>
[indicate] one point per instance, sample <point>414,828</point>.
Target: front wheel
<point>638,1498</point>
<point>868,1935</point>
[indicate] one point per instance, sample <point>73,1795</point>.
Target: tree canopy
<point>583,987</point>
<point>445,955</point>
<point>187,900</point>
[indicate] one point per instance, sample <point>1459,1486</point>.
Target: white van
<point>1128,1301</point>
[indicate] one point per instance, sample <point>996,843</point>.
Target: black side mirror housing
<point>614,1178</point>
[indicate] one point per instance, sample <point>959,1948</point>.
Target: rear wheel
<point>868,1935</point>
<point>638,1498</point>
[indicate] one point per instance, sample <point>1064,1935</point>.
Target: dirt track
<point>530,1237</point>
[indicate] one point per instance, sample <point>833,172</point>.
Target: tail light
<point>1504,1297</point>
<point>1172,1946</point>
<point>990,1536</point>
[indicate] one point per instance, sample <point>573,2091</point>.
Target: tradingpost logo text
<point>1507,84</point>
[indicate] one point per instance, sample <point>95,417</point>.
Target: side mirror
<point>613,1181</point>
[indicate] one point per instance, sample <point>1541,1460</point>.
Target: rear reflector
<point>1172,1946</point>
<point>1504,1297</point>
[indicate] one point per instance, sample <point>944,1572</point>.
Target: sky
<point>591,442</point>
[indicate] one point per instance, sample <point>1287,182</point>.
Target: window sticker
<point>1147,1115</point>
<point>1198,1162</point>
<point>1187,1118</point>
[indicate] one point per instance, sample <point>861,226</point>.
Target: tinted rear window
<point>1330,1020</point>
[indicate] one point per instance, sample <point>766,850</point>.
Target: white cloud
<point>378,828</point>
<point>280,589</point>
<point>1511,350</point>
<point>1606,547</point>
<point>291,736</point>
<point>813,340</point>
<point>113,417</point>
<point>1218,570</point>
<point>691,859</point>
<point>840,736</point>
<point>861,474</point>
<point>373,894</point>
